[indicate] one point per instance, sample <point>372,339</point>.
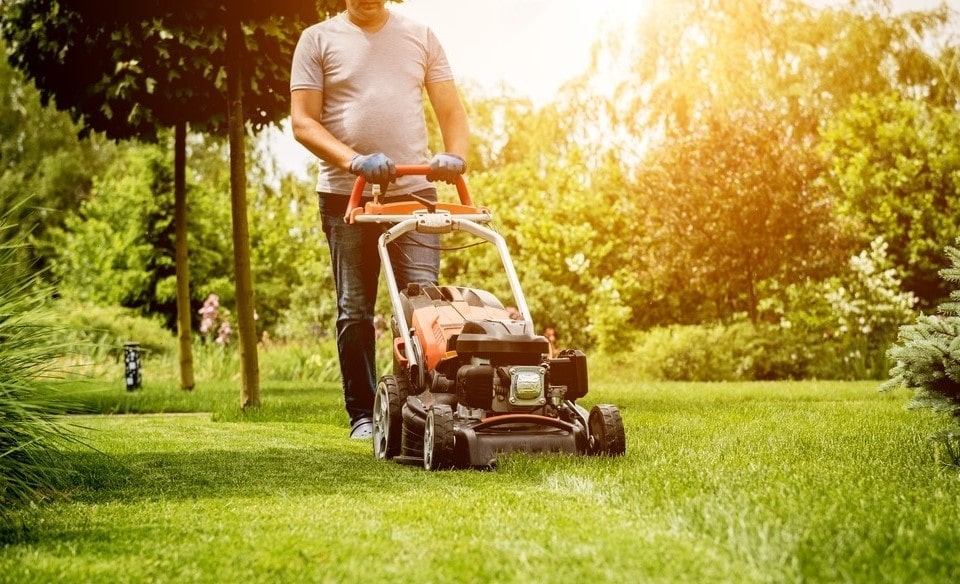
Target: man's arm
<point>451,116</point>
<point>306,109</point>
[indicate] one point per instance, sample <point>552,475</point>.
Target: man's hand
<point>446,167</point>
<point>375,168</point>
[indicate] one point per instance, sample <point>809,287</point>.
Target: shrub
<point>95,336</point>
<point>685,353</point>
<point>31,434</point>
<point>927,352</point>
<point>742,351</point>
<point>109,327</point>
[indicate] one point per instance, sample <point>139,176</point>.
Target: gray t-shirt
<point>372,86</point>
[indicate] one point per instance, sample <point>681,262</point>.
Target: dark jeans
<point>356,273</point>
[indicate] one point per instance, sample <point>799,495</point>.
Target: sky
<point>531,46</point>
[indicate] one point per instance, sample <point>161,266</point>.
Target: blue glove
<point>375,168</point>
<point>446,167</point>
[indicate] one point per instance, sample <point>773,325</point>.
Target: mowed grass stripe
<point>722,482</point>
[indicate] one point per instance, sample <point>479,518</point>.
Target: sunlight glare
<point>531,46</point>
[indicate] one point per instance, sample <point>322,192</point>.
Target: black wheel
<point>438,438</point>
<point>606,431</point>
<point>387,417</point>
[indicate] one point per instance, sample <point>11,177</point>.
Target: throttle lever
<point>430,205</point>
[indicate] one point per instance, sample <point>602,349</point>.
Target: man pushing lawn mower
<point>356,103</point>
<point>470,380</point>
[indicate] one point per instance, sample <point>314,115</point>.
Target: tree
<point>718,110</point>
<point>694,57</point>
<point>144,65</point>
<point>108,255</point>
<point>551,198</point>
<point>45,171</point>
<point>730,206</point>
<point>894,164</point>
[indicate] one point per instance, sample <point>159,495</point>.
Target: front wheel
<point>438,438</point>
<point>387,404</point>
<point>607,436</point>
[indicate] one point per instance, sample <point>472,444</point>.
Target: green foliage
<point>743,351</point>
<point>31,434</point>
<point>927,352</point>
<point>869,305</point>
<point>45,171</point>
<point>728,206</point>
<point>138,69</point>
<point>843,324</point>
<point>550,212</point>
<point>839,328</point>
<point>727,172</point>
<point>895,168</point>
<point>103,330</point>
<point>686,353</point>
<point>291,264</point>
<point>787,57</point>
<point>110,255</point>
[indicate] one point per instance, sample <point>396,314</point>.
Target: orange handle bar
<point>405,170</point>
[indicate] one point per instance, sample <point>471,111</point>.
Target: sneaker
<point>362,429</point>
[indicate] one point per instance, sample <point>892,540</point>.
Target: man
<point>356,102</point>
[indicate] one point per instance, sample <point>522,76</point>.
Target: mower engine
<point>506,371</point>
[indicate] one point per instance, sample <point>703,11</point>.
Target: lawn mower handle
<point>405,170</point>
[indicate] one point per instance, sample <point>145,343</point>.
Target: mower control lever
<point>430,205</point>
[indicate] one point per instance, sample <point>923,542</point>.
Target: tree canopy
<point>141,66</point>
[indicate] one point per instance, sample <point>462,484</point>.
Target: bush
<point>738,352</point>
<point>31,434</point>
<point>927,352</point>
<point>102,330</point>
<point>744,351</point>
<point>686,353</point>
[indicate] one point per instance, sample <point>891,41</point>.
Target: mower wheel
<point>438,438</point>
<point>387,404</point>
<point>607,436</point>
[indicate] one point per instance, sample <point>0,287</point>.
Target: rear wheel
<point>387,404</point>
<point>438,438</point>
<point>607,436</point>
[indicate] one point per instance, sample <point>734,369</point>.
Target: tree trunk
<point>249,366</point>
<point>184,327</point>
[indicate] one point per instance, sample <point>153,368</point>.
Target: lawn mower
<point>471,379</point>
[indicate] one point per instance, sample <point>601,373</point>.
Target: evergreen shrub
<point>927,352</point>
<point>927,357</point>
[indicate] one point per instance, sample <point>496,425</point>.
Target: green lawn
<point>777,482</point>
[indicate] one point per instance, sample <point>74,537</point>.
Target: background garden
<point>767,196</point>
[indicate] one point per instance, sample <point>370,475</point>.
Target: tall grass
<point>31,435</point>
